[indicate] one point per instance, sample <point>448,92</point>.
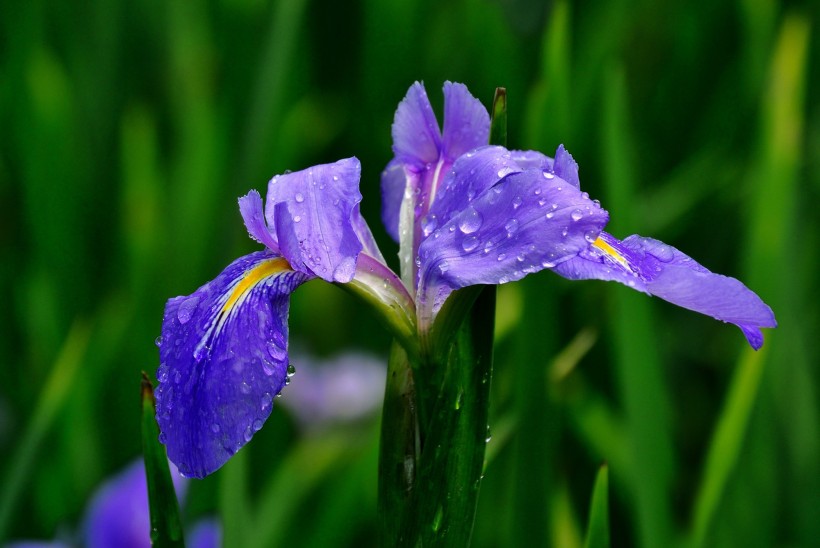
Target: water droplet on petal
<point>550,215</point>
<point>257,425</point>
<point>591,235</point>
<point>267,399</point>
<point>186,309</point>
<point>245,388</point>
<point>215,428</point>
<point>511,227</point>
<point>158,341</point>
<point>471,221</point>
<point>576,215</point>
<point>517,201</point>
<point>297,218</point>
<point>299,197</point>
<point>428,224</point>
<point>548,175</point>
<point>291,370</point>
<point>469,243</point>
<point>501,256</point>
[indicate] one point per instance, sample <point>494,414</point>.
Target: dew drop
<point>428,224</point>
<point>469,243</point>
<point>517,201</point>
<point>550,215</point>
<point>215,428</point>
<point>257,425</point>
<point>245,388</point>
<point>297,218</point>
<point>162,372</point>
<point>590,236</point>
<point>267,399</point>
<point>248,434</point>
<point>576,215</point>
<point>291,370</point>
<point>511,227</point>
<point>548,175</point>
<point>186,309</point>
<point>299,197</point>
<point>158,341</point>
<point>501,256</point>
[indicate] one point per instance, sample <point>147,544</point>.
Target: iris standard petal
<point>466,121</point>
<point>394,183</point>
<point>416,136</point>
<point>527,222</point>
<point>659,269</point>
<point>311,211</point>
<point>250,206</point>
<point>224,358</point>
<point>566,167</point>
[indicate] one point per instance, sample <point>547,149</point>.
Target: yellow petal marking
<point>254,276</point>
<point>610,251</point>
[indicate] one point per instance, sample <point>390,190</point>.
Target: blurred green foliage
<point>130,128</point>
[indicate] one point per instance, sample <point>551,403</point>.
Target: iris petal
<point>466,122</point>
<point>416,136</point>
<point>527,222</point>
<point>659,269</point>
<point>250,206</point>
<point>223,359</point>
<point>393,183</point>
<point>312,212</point>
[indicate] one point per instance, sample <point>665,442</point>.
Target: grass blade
<point>166,528</point>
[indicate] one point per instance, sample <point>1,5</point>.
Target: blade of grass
<point>166,528</point>
<point>725,448</point>
<point>637,359</point>
<point>57,389</point>
<point>598,526</point>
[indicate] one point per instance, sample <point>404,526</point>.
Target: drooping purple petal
<point>364,234</point>
<point>527,222</point>
<point>118,513</point>
<point>250,206</point>
<point>416,135</point>
<point>394,182</point>
<point>659,269</point>
<point>311,211</point>
<point>466,122</point>
<point>223,355</point>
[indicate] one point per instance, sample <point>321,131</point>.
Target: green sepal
<point>166,527</point>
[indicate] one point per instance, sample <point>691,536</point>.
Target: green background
<point>130,128</point>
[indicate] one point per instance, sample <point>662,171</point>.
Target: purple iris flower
<point>118,515</point>
<point>463,213</point>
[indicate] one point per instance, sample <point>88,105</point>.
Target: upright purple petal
<point>416,135</point>
<point>566,167</point>
<point>466,122</point>
<point>250,206</point>
<point>527,222</point>
<point>394,182</point>
<point>312,211</point>
<point>659,269</point>
<point>223,355</point>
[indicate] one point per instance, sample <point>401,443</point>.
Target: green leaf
<point>166,529</point>
<point>598,526</point>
